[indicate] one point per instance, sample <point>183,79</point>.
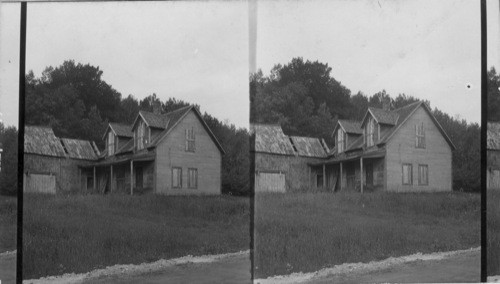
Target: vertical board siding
<point>171,152</point>
<point>437,155</point>
<point>493,170</point>
<point>270,182</point>
<point>39,183</point>
<point>295,169</point>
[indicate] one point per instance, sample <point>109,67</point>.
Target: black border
<point>484,124</point>
<point>20,145</point>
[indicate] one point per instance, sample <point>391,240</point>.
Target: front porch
<point>360,173</point>
<point>126,175</point>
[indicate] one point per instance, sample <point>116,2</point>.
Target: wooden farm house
<point>173,153</point>
<point>493,156</point>
<point>393,150</point>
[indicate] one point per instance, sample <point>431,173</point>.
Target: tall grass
<point>64,234</point>
<point>493,232</point>
<point>8,223</point>
<point>306,232</point>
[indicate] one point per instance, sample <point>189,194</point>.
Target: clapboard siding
<point>437,155</point>
<point>206,159</point>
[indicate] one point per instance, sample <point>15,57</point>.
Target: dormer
<point>115,136</point>
<point>345,133</point>
<point>375,123</point>
<point>145,128</point>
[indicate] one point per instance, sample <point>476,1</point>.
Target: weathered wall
<point>295,168</point>
<point>437,155</point>
<point>65,169</point>
<point>206,159</point>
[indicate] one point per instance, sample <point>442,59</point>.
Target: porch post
<point>111,180</point>
<point>340,176</point>
<point>309,183</point>
<point>95,182</point>
<point>324,176</point>
<point>361,172</point>
<point>80,179</point>
<point>131,177</point>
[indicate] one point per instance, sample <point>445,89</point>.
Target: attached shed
<point>281,161</point>
<point>52,165</point>
<point>493,156</point>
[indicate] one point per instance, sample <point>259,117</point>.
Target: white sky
<point>199,51</point>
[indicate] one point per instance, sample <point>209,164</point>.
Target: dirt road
<point>461,268</point>
<point>230,270</point>
<point>8,267</point>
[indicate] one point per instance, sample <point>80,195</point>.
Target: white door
<point>270,182</point>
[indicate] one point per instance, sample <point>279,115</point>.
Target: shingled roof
<point>169,121</point>
<point>349,126</point>
<point>121,130</point>
<point>383,116</point>
<point>41,140</point>
<point>270,138</point>
<point>80,149</point>
<point>309,146</point>
<point>493,136</point>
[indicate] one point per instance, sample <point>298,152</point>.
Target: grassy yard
<point>64,234</point>
<point>8,223</point>
<point>493,232</point>
<point>307,232</point>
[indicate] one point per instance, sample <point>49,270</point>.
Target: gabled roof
<point>270,138</point>
<point>309,146</point>
<point>80,149</point>
<point>349,126</point>
<point>119,129</point>
<point>402,114</point>
<point>381,116</point>
<point>493,136</point>
<point>171,120</point>
<point>41,140</point>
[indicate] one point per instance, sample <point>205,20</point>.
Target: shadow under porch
<point>117,177</point>
<point>347,174</point>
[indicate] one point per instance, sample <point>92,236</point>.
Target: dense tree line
<point>77,103</point>
<point>306,100</point>
<point>8,169</point>
<point>493,95</point>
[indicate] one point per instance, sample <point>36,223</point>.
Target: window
<point>341,140</point>
<point>111,143</point>
<point>190,140</point>
<point>407,174</point>
<point>423,175</point>
<point>192,178</point>
<point>176,177</point>
<point>370,132</point>
<point>140,135</point>
<point>420,136</point>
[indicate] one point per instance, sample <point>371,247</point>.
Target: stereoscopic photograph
<point>366,124</point>
<point>248,142</point>
<point>136,143</point>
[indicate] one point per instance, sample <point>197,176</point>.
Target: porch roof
<point>379,153</point>
<point>140,157</point>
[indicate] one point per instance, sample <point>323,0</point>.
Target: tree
<point>8,171</point>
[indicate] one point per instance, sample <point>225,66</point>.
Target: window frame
<point>410,172</point>
<point>420,167</point>
<point>191,170</point>
<point>370,132</point>
<point>420,136</point>
<point>341,140</point>
<point>180,177</point>
<point>190,140</point>
<point>111,143</point>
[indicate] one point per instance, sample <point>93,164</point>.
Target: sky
<point>194,51</point>
<point>202,51</point>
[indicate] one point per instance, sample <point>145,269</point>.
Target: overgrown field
<point>307,232</point>
<point>64,234</point>
<point>8,223</point>
<point>493,232</point>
